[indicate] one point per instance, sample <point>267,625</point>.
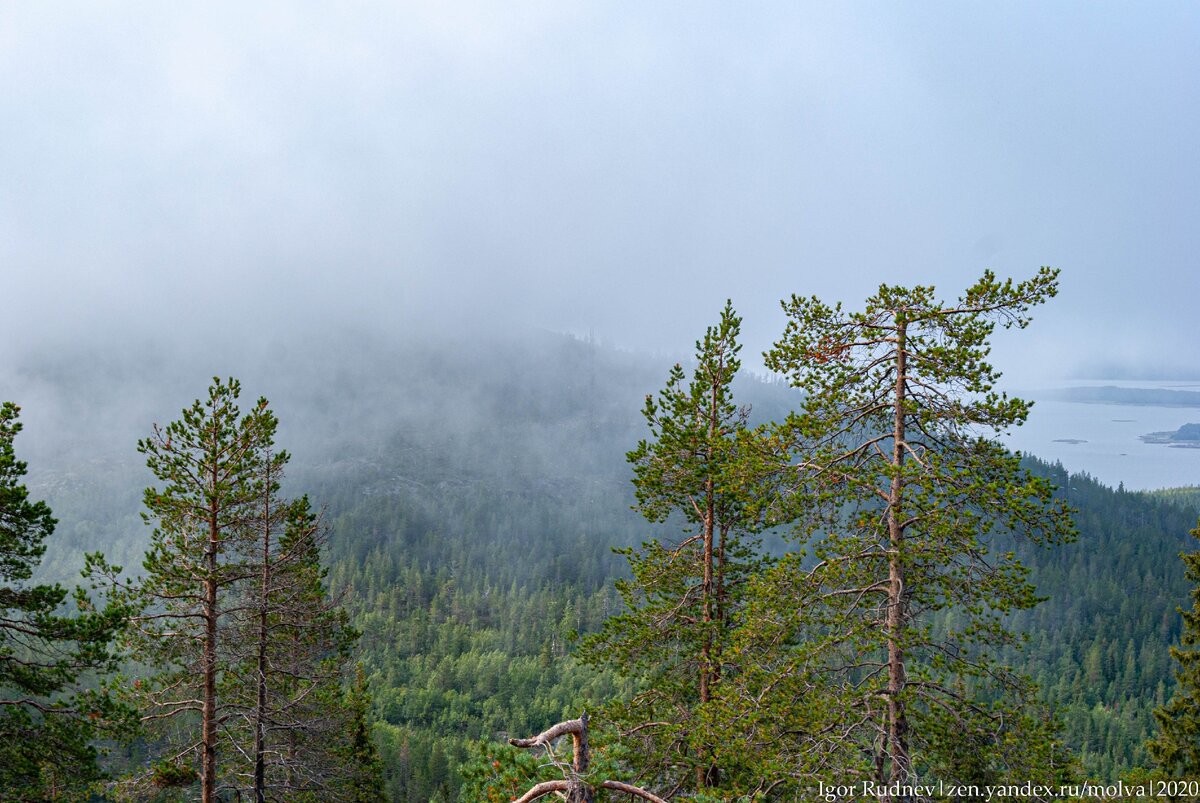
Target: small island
<point>1186,437</point>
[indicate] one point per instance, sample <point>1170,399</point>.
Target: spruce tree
<point>48,719</point>
<point>364,780</point>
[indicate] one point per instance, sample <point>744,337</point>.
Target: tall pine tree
<point>685,595</point>
<point>285,678</point>
<point>215,466</point>
<point>879,650</point>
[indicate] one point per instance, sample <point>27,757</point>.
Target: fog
<point>215,179</point>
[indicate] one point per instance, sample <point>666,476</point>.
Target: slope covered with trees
<point>473,498</point>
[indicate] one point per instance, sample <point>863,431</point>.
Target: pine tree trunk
<point>706,651</point>
<point>896,733</point>
<point>705,776</point>
<point>706,672</point>
<point>578,789</point>
<point>580,792</point>
<point>208,732</point>
<point>260,712</point>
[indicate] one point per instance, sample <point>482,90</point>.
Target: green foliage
<point>167,774</point>
<point>469,546</point>
<point>877,657</point>
<point>1098,653</point>
<point>1176,748</point>
<point>360,754</point>
<point>685,594</point>
<point>1186,497</point>
<point>48,717</point>
<point>25,525</point>
<point>495,773</point>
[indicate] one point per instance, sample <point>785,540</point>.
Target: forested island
<point>842,583</point>
<point>1186,437</point>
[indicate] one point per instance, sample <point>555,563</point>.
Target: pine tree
<point>260,607</point>
<point>288,684</point>
<point>216,467</point>
<point>238,634</point>
<point>1176,749</point>
<point>685,594</point>
<point>894,621</point>
<point>48,721</point>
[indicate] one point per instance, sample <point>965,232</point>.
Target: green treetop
<point>685,594</point>
<point>894,619</point>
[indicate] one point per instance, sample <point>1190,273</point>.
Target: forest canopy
<point>471,555</point>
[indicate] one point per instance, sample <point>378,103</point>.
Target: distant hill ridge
<point>1111,394</point>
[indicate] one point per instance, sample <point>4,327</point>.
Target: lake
<point>1108,447</point>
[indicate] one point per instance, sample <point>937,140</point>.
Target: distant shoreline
<point>1111,394</point>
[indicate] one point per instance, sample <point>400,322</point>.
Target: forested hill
<point>475,490</point>
<point>1098,646</point>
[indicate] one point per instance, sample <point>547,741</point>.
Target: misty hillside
<point>396,221</point>
<point>475,490</point>
<point>388,414</point>
<point>529,413</point>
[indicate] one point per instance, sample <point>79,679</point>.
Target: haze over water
<point>1110,448</point>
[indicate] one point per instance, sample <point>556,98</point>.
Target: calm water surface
<point>1110,449</point>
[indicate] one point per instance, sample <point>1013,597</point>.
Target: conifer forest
<point>833,579</point>
<point>599,402</point>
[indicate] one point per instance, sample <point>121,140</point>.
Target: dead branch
<point>632,790</point>
<point>541,789</point>
<point>578,730</point>
<point>577,789</point>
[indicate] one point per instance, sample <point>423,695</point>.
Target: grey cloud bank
<point>177,170</point>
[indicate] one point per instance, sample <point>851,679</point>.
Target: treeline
<point>501,588</point>
<point>469,552</point>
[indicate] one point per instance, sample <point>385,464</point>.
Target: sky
<point>214,172</point>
